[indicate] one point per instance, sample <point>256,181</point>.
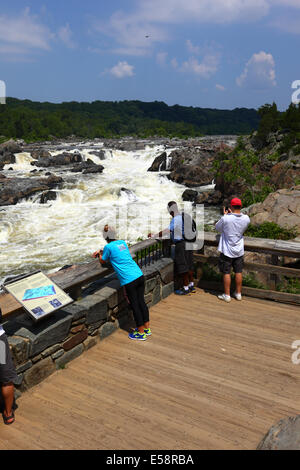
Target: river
<point>67,230</point>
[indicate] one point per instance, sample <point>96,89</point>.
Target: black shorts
<point>7,369</point>
<point>226,263</point>
<point>184,259</point>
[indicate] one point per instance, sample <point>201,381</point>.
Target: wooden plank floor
<point>212,376</point>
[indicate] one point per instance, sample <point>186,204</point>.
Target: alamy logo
<point>296,94</point>
<point>2,92</point>
<point>2,353</point>
<point>296,354</point>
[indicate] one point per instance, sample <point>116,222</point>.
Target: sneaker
<point>182,291</point>
<point>237,296</point>
<point>192,290</point>
<point>224,297</point>
<point>137,336</point>
<point>147,331</point>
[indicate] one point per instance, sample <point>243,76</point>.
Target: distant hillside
<point>35,121</point>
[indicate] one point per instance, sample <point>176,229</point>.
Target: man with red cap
<point>232,226</point>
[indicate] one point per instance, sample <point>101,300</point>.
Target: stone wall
<point>38,349</point>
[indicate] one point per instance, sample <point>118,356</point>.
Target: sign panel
<point>37,294</point>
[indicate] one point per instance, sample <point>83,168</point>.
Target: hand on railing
<point>97,254</point>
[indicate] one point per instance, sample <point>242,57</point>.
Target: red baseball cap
<point>236,202</point>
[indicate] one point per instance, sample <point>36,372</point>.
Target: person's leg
<point>132,294</point>
<point>227,283</point>
<point>8,397</point>
<point>225,269</point>
<point>142,304</point>
<point>238,283</point>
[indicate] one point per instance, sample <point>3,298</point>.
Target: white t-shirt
<point>232,228</point>
<point>1,331</point>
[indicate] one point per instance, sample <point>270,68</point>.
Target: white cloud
<point>220,87</point>
<point>195,50</point>
<point>122,69</point>
<point>65,35</point>
<point>204,69</point>
<point>137,32</point>
<point>259,72</point>
<point>24,32</point>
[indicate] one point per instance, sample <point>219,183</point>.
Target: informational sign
<point>37,294</point>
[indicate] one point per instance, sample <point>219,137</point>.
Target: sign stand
<point>38,294</point>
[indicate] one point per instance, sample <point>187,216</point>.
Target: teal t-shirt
<point>118,254</point>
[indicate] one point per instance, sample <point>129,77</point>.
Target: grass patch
<point>292,286</point>
<point>271,230</point>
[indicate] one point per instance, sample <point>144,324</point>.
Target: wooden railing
<point>73,279</point>
<point>275,248</point>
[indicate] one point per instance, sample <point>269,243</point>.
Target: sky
<point>219,54</point>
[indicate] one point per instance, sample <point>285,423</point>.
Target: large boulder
<point>285,435</point>
<point>13,190</point>
<point>281,207</point>
<point>62,159</point>
<point>160,163</point>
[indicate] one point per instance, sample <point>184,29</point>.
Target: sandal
<point>7,419</point>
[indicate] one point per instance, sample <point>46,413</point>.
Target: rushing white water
<point>69,229</point>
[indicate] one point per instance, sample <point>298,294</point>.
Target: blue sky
<point>207,53</point>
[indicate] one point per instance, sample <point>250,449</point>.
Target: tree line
<point>34,121</point>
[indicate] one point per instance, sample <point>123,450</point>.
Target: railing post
<point>274,278</point>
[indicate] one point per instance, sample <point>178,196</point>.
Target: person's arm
<point>161,234</point>
<point>219,225</point>
<point>99,254</point>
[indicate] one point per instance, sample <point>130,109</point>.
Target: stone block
<point>90,343</point>
<point>110,294</point>
<point>69,356</point>
<point>23,367</point>
<point>77,310</point>
<point>107,329</point>
<point>150,284</point>
<point>96,307</point>
<point>165,268</point>
<point>77,328</point>
<point>42,335</point>
<point>51,350</point>
<point>38,372</point>
<point>76,339</point>
<point>148,298</point>
<point>19,349</point>
<point>58,354</point>
<point>94,327</point>
<point>167,290</point>
<point>36,359</point>
<point>156,296</point>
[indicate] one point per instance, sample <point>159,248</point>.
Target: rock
<point>100,154</point>
<point>39,372</point>
<point>76,339</point>
<point>48,196</point>
<point>285,435</point>
<point>107,329</point>
<point>51,331</point>
<point>159,163</point>
<point>189,195</point>
<point>40,153</point>
<point>19,349</point>
<point>281,207</point>
<point>93,169</point>
<point>167,290</point>
<point>14,189</point>
<point>90,343</point>
<point>212,198</point>
<point>69,356</point>
<point>61,159</point>
<point>10,147</point>
<point>96,307</point>
<point>156,295</point>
